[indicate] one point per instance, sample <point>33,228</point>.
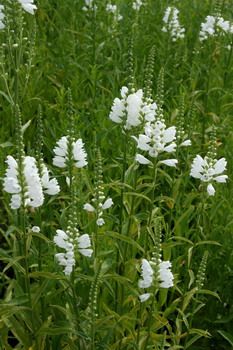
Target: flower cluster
<point>155,140</point>
<point>101,206</point>
<point>89,5</point>
<point>28,6</point>
<point>112,9</point>
<point>50,186</point>
<point>137,5</point>
<point>172,24</point>
<point>131,109</point>
<point>209,170</point>
<point>165,276</point>
<point>213,25</point>
<point>61,153</point>
<point>2,25</point>
<point>26,188</point>
<point>71,242</point>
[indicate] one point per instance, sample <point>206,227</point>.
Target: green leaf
<point>206,291</point>
<point>227,336</point>
<point>48,275</point>
<point>54,331</point>
<point>14,263</point>
<point>192,340</point>
<point>126,239</point>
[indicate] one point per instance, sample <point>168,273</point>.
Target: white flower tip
<point>169,162</point>
<point>88,207</point>
<point>211,190</point>
<point>142,160</point>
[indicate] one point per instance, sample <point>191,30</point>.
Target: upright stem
<point>27,277</point>
<point>155,170</point>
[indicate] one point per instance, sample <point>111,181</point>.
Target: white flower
<point>101,206</point>
<point>2,16</point>
<point>169,162</point>
<point>36,229</point>
<point>149,111</point>
<point>156,139</point>
<point>79,153</point>
<point>61,239</point>
<point>209,170</point>
<point>28,6</point>
<point>88,207</point>
<point>144,297</point>
<point>147,275</point>
<point>141,159</point>
<point>100,221</point>
<point>212,25</point>
<point>137,5</point>
<point>50,186</point>
<point>33,195</point>
<point>165,275</point>
<point>133,108</point>
<point>84,244</point>
<point>211,190</point>
<point>127,109</point>
<point>61,153</point>
<point>112,9</point>
<point>186,143</point>
<point>107,204</point>
<point>89,4</point>
<point>69,241</point>
<point>172,24</point>
<point>11,182</point>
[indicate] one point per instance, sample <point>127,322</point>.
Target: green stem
<point>27,277</point>
<point>155,170</point>
<point>150,320</point>
<point>118,263</point>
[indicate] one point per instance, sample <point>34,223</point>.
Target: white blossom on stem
<point>61,153</point>
<point>209,170</point>
<point>50,186</point>
<point>172,24</point>
<point>33,193</point>
<point>28,6</point>
<point>71,241</point>
<point>165,277</point>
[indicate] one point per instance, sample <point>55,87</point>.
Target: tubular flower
<point>61,153</point>
<point>101,206</point>
<point>71,242</point>
<point>28,6</point>
<point>148,274</point>
<point>131,109</point>
<point>50,186</point>
<point>209,170</point>
<point>214,24</point>
<point>165,274</point>
<point>157,139</point>
<point>12,184</point>
<point>172,24</point>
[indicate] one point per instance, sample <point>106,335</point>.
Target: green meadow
<point>116,165</point>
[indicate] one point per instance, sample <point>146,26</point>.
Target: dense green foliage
<point>63,75</point>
